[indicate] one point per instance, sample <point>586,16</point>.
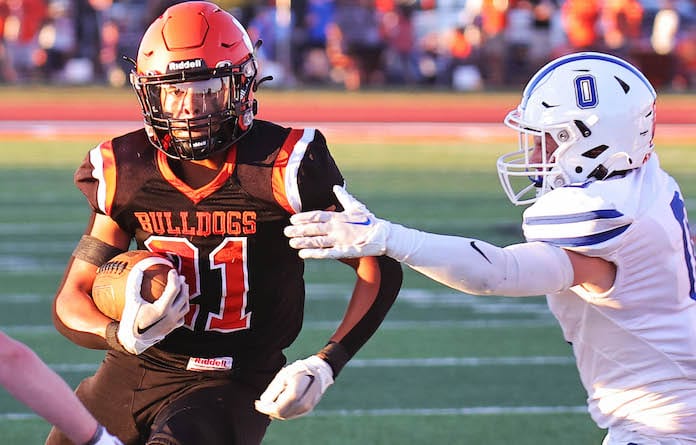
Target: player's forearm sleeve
<point>391,277</point>
<point>480,268</point>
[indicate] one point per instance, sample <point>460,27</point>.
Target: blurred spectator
<point>685,69</point>
<point>673,41</point>
<point>580,19</point>
<point>339,62</point>
<point>542,41</point>
<point>400,40</point>
<point>518,42</point>
<point>431,63</point>
<point>360,41</point>
<point>493,19</point>
<point>663,35</point>
<point>90,19</point>
<point>6,72</point>
<point>462,72</point>
<point>57,39</point>
<point>621,25</point>
<point>275,26</point>
<point>263,26</point>
<point>109,57</point>
<point>314,64</point>
<point>70,42</point>
<point>460,44</point>
<point>21,37</point>
<point>319,13</point>
<point>129,17</point>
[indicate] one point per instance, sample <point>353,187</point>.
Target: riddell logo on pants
<point>209,364</point>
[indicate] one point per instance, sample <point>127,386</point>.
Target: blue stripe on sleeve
<point>584,240</point>
<point>576,217</point>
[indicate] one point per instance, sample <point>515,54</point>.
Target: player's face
<point>194,100</point>
<point>540,145</point>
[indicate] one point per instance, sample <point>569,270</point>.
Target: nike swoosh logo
<point>476,248</point>
<point>309,385</point>
<point>147,328</point>
<point>361,223</point>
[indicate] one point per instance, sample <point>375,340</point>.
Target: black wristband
<point>111,337</point>
<point>97,435</point>
<point>95,251</point>
<point>335,355</point>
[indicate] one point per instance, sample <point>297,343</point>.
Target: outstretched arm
<point>466,264</point>
<point>28,379</point>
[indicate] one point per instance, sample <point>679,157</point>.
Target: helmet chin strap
<point>600,172</point>
<point>558,180</point>
<point>616,164</point>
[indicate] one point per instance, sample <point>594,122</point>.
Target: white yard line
<point>29,228</point>
<point>428,362</point>
<point>327,325</point>
<point>392,412</point>
<point>465,411</point>
<point>367,130</point>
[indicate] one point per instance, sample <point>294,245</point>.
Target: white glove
<point>296,389</point>
<point>103,437</point>
<point>353,233</point>
<point>143,324</point>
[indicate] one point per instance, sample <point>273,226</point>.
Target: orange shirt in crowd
<point>493,16</point>
<point>460,47</point>
<point>580,19</point>
<point>621,20</point>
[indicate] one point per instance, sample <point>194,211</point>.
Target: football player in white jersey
<point>607,236</point>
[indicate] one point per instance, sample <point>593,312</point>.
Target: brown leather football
<point>109,288</point>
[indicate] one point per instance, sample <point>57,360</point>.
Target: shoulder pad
<point>579,218</point>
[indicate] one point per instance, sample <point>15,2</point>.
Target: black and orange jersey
<point>246,282</point>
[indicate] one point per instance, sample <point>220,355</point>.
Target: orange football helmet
<point>195,78</point>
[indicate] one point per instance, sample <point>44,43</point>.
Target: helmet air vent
<point>623,84</point>
<point>593,153</point>
<point>584,129</point>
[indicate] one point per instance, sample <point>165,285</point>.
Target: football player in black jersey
<point>212,187</point>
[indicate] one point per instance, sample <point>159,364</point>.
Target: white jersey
<point>635,345</point>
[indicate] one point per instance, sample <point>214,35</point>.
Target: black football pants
<point>155,401</point>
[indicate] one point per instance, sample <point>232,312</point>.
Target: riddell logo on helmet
<point>185,65</point>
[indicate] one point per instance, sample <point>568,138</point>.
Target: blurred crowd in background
<point>363,44</point>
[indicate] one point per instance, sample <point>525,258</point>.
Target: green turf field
<point>445,367</point>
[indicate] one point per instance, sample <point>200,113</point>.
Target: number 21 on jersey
<point>230,258</point>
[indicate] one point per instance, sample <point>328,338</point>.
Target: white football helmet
<point>600,112</point>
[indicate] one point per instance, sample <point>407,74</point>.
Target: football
<point>109,287</point>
